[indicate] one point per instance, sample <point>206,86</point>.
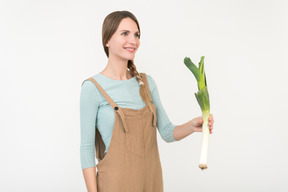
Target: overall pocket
<point>135,135</point>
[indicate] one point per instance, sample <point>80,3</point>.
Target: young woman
<point>120,112</point>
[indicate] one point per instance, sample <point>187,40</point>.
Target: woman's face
<point>125,41</point>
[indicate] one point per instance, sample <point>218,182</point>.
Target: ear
<point>107,44</point>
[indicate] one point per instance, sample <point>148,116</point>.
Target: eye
<point>124,33</point>
<point>137,35</point>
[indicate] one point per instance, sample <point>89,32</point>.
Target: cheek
<point>116,45</point>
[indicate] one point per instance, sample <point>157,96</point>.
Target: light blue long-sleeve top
<point>95,110</point>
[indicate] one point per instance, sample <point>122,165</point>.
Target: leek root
<point>202,97</point>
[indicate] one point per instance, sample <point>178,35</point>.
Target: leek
<point>202,97</point>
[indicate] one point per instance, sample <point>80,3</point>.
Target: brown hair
<point>109,27</point>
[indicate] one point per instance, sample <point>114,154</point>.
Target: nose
<point>133,39</point>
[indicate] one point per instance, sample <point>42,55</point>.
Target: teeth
<point>130,48</point>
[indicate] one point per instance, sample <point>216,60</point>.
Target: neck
<point>117,69</point>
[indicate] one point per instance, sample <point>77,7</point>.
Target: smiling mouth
<point>130,48</point>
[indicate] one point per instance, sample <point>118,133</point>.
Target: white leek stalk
<point>202,97</point>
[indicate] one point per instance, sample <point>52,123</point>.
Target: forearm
<point>182,131</point>
<point>90,179</point>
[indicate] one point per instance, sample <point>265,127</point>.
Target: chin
<point>129,58</point>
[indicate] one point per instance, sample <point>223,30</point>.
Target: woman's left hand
<point>198,121</point>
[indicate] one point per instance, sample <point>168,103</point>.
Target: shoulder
<point>151,82</point>
<point>88,86</point>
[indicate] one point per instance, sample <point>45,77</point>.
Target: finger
<point>210,117</point>
<point>211,121</point>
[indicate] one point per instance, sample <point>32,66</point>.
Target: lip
<point>130,49</point>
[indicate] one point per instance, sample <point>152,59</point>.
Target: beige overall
<point>132,162</point>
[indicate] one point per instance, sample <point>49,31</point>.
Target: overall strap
<point>146,85</point>
<point>111,102</point>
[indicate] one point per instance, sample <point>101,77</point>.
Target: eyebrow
<point>129,31</point>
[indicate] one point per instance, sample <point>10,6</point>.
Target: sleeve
<point>164,126</point>
<point>88,113</point>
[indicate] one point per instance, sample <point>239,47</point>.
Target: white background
<point>47,48</point>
